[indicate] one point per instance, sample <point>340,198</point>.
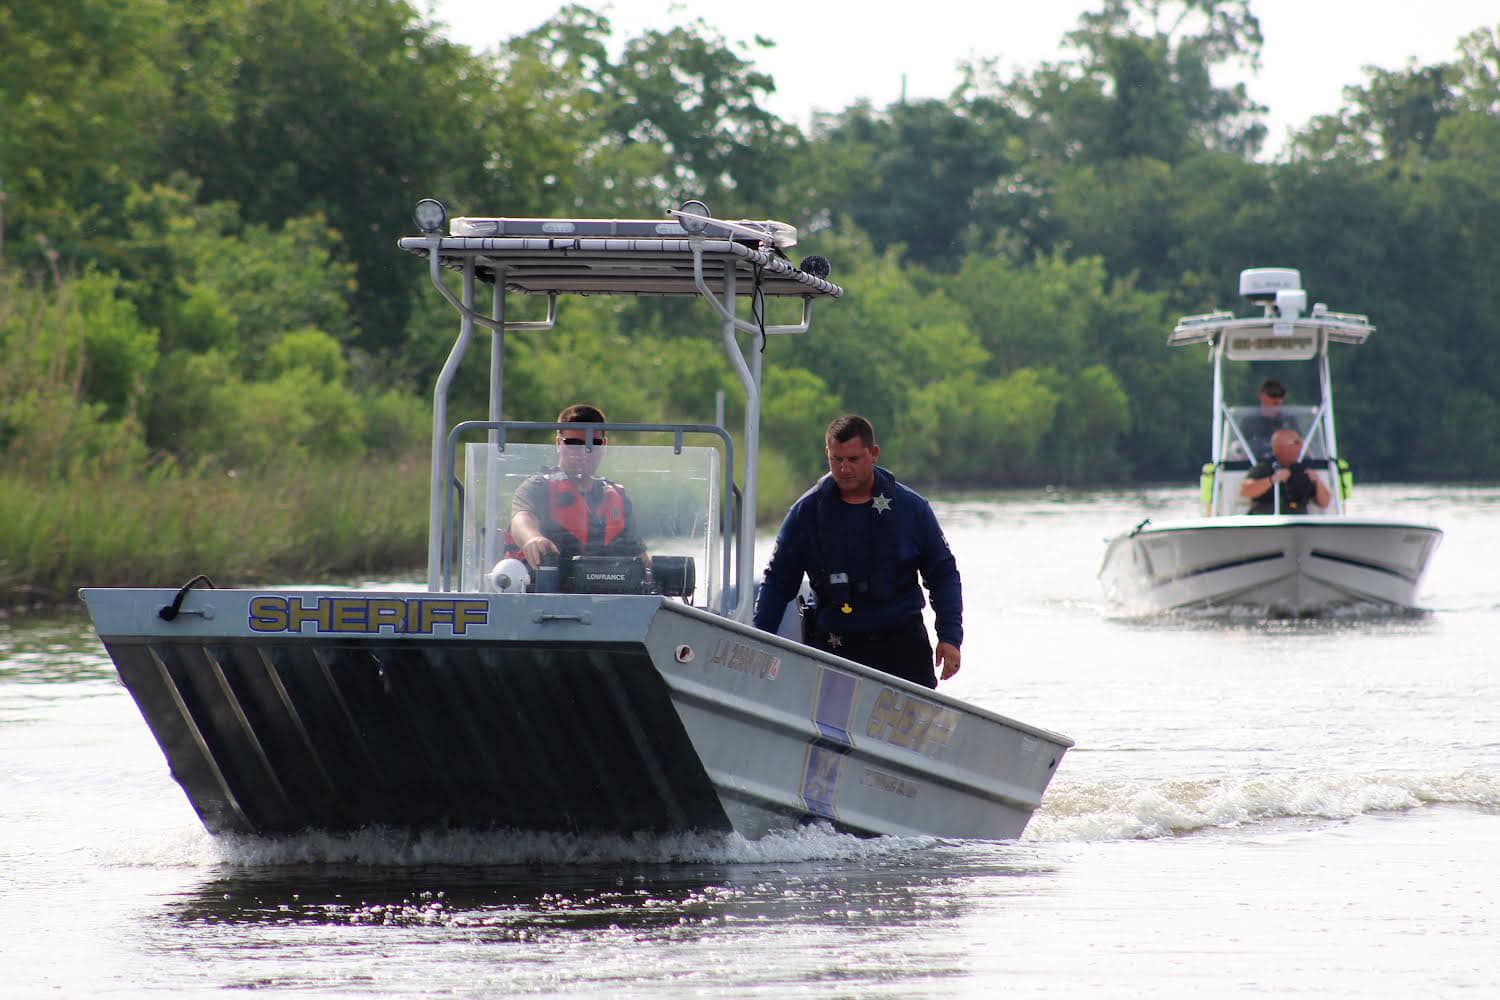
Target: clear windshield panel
<point>1247,433</point>
<point>670,504</point>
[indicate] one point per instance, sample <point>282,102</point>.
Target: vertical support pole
<point>1216,444</point>
<point>752,475</point>
<point>1330,440</point>
<point>744,604</point>
<point>436,529</point>
<point>492,529</point>
<point>727,529</point>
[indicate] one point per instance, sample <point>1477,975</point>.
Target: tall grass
<point>303,523</point>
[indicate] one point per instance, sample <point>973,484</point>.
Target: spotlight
<point>816,266</point>
<point>430,215</point>
<point>694,216</point>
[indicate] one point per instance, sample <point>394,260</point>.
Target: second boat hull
<point>1281,565</point>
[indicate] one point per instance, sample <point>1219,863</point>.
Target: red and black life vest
<point>568,510</point>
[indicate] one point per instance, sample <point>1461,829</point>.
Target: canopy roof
<point>1266,331</point>
<point>620,265</point>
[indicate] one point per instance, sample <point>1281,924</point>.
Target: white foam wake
<point>1132,811</point>
<point>380,847</point>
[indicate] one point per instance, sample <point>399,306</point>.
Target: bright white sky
<point>830,53</point>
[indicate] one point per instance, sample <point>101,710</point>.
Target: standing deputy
<point>862,538</point>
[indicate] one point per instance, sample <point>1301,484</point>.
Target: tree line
<point>201,200</point>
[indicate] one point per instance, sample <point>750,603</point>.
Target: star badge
<point>835,640</point>
<point>882,504</point>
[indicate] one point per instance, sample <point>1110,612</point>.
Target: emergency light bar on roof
<point>627,256</point>
<point>777,234</point>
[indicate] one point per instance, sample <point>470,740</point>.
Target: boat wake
<point>1116,810</point>
<point>1258,616</point>
<point>394,848</point>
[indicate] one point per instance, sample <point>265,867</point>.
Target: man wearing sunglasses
<point>570,511</point>
<point>1259,427</point>
<point>862,538</point>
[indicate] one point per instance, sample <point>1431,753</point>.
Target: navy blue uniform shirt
<point>879,548</point>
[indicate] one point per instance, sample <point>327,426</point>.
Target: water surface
<point>1290,807</point>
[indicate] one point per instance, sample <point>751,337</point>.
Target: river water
<point>1291,808</point>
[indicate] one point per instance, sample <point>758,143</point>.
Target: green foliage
<point>678,115</point>
<point>118,352</point>
<point>793,401</point>
<point>164,527</point>
<point>61,345</point>
<point>208,279</point>
<point>396,424</point>
<point>967,430</point>
<point>1141,84</point>
<point>346,109</point>
<point>880,348</point>
<point>927,176</point>
<point>201,202</point>
<point>312,351</point>
<point>1092,417</point>
<point>84,89</point>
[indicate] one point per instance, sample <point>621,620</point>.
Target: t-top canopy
<point>1271,337</point>
<point>624,256</point>
<point>1285,332</point>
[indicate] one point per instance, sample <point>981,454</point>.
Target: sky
<point>832,53</point>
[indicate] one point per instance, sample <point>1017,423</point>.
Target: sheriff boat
<point>605,698</point>
<point>1312,563</point>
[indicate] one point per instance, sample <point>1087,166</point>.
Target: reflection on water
<point>890,921</point>
<point>891,884</point>
<point>1351,619</point>
<point>58,647</point>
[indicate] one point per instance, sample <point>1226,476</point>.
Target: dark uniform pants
<point>905,651</point>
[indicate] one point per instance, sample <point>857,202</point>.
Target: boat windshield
<point>674,499</point>
<point>1250,427</point>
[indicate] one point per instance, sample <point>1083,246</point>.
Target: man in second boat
<point>1258,427</point>
<point>1286,478</point>
<point>862,538</point>
<point>569,511</point>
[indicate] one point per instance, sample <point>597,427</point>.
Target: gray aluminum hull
<point>280,711</point>
<point>1290,565</point>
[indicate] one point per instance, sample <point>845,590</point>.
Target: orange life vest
<point>569,510</point>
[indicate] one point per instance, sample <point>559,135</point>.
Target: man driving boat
<point>570,511</point>
<point>1296,485</point>
<point>1259,427</point>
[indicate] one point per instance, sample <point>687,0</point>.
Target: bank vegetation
<point>216,360</point>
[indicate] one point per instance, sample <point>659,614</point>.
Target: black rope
<point>172,610</point>
<point>758,307</point>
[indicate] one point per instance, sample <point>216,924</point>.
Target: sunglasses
<point>580,442</point>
